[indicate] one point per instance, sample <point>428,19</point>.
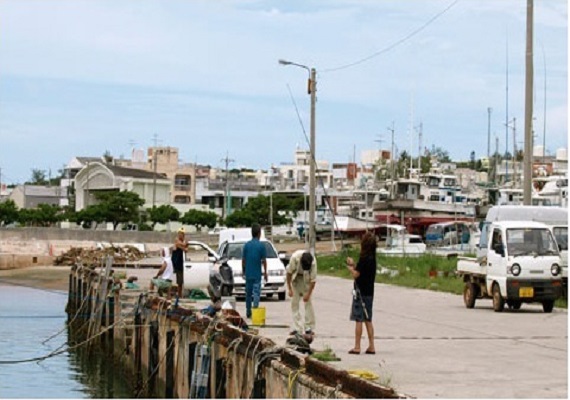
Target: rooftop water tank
<point>562,154</point>
<point>538,151</point>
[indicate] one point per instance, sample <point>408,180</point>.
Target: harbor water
<point>33,325</point>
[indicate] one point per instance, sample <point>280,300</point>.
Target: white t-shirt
<point>169,270</point>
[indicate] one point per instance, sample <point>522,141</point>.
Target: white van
<point>231,244</point>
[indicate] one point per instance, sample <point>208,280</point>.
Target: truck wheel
<point>281,296</point>
<point>498,300</point>
<point>514,304</point>
<point>469,294</point>
<point>547,306</point>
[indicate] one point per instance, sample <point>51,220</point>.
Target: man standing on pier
<point>253,257</point>
<point>180,246</point>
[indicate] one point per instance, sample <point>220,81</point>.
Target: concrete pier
<point>177,352</point>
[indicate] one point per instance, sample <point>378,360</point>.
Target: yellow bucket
<point>258,316</point>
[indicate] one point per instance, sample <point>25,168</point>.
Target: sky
<point>78,78</point>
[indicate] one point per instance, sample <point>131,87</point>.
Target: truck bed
<point>469,265</point>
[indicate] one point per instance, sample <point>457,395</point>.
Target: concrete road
<point>429,345</point>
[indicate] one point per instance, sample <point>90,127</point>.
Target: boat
<point>420,203</point>
<point>400,243</point>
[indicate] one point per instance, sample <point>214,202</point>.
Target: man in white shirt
<point>163,279</point>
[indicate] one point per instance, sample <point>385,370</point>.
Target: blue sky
<point>81,77</point>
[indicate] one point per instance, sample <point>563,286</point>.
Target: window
<point>449,182</point>
<point>524,241</point>
<point>561,235</point>
<point>182,199</point>
<point>235,250</point>
<point>497,241</point>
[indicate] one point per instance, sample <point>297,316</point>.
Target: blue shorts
<point>357,312</point>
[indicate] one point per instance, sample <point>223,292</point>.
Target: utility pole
<point>312,180</point>
<point>489,109</point>
<point>312,89</point>
<point>529,71</point>
<point>225,211</point>
<point>496,158</point>
<point>420,134</point>
<point>154,161</point>
<point>514,151</point>
<point>392,159</point>
<point>87,196</point>
<point>507,115</point>
<point>544,119</point>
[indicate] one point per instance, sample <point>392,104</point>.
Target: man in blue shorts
<point>253,257</point>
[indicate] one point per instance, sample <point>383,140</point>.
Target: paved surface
<point>429,345</point>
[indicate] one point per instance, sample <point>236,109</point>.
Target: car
<point>231,248</point>
<point>199,262</point>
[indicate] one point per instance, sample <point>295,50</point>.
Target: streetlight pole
<point>312,89</point>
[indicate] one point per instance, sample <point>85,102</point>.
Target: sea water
<point>28,318</point>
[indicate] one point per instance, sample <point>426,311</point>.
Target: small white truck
<point>519,262</point>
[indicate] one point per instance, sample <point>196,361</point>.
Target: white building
<point>99,177</point>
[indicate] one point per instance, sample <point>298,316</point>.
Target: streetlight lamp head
<point>285,62</point>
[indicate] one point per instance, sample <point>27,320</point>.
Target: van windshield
<point>537,242</point>
<point>235,250</point>
<point>561,235</point>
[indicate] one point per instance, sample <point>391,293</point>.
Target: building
<point>30,196</point>
<point>165,160</point>
<point>98,177</point>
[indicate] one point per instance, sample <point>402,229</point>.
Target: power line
<point>393,45</point>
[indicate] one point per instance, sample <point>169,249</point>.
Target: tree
<point>163,214</point>
<point>257,211</point>
<point>440,154</point>
<point>472,160</point>
<point>8,212</point>
<point>42,215</point>
<point>200,219</point>
<point>93,213</point>
<point>38,177</point>
<point>120,207</point>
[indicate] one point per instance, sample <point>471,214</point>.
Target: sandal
<point>354,352</point>
<point>370,351</point>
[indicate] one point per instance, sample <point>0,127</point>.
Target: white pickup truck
<point>519,262</point>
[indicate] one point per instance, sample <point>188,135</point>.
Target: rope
<point>69,323</point>
<point>144,386</point>
<point>292,378</point>
<point>58,351</point>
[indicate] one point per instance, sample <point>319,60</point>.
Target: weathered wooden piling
<point>176,352</point>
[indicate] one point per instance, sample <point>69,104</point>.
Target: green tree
<point>48,214</point>
<point>257,210</point>
<point>163,214</point>
<point>120,207</point>
<point>39,177</point>
<point>92,214</point>
<point>200,219</point>
<point>8,212</point>
<point>441,154</point>
<point>42,215</point>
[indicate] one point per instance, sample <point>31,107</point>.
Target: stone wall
<point>162,348</point>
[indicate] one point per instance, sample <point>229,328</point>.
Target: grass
<point>326,355</point>
<point>413,272</point>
